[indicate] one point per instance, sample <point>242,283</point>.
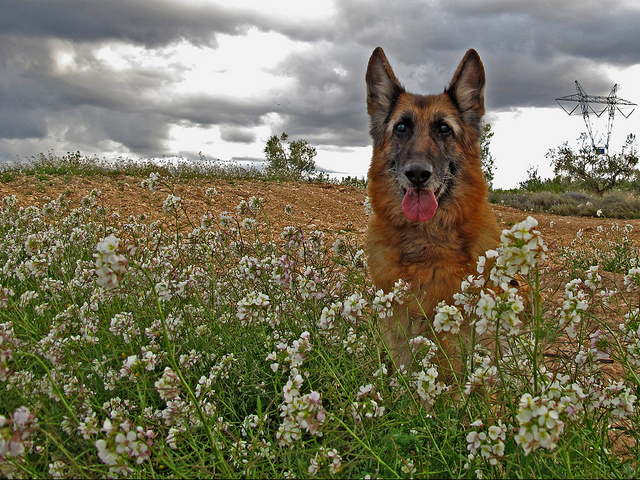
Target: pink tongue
<point>419,205</point>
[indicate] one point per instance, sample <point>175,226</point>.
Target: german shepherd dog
<point>431,219</point>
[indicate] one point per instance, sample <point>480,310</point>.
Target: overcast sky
<point>153,78</point>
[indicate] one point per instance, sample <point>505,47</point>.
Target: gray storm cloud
<point>532,51</point>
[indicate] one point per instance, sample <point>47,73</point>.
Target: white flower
<point>108,245</point>
<point>106,455</point>
<point>172,203</point>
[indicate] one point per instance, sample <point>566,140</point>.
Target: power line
<point>586,103</point>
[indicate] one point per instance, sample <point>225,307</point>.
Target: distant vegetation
<point>291,160</point>
<point>76,164</point>
<point>585,184</point>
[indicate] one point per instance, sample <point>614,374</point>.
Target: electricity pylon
<point>585,102</point>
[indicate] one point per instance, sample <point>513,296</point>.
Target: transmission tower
<point>586,103</point>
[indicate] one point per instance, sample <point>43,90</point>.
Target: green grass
<point>229,349</point>
<point>615,204</point>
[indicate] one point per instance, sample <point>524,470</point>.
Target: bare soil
<point>328,207</point>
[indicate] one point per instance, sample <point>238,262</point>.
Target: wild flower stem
<point>537,318</point>
<point>174,365</point>
<point>66,453</point>
<point>366,447</point>
<point>54,386</point>
<point>623,358</point>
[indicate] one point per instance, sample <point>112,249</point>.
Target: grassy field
<point>217,346</point>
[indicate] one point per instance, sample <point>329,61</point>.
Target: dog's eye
<point>444,129</point>
<point>400,128</point>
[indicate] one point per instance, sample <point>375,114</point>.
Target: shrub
<point>611,205</point>
<point>576,197</point>
<point>289,160</point>
<point>599,173</point>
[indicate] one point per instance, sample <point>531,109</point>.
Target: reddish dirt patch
<point>330,208</point>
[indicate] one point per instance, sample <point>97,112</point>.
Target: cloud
<point>152,25</point>
<point>56,85</point>
<point>237,134</point>
<point>327,103</point>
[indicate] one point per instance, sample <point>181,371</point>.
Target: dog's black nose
<point>417,174</point>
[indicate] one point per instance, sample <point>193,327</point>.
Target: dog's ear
<point>467,88</point>
<point>383,89</point>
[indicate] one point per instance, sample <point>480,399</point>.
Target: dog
<point>431,219</point>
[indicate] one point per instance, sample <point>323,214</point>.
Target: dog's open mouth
<point>420,205</point>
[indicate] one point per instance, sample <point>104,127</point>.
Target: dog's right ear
<point>383,89</point>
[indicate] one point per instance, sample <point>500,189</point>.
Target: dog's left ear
<point>467,88</point>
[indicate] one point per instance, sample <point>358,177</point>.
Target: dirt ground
<point>330,208</point>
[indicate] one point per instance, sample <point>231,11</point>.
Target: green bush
<point>614,204</point>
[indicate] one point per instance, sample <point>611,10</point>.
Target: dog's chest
<point>430,249</point>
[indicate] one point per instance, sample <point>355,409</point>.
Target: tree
<point>488,163</point>
<point>289,160</point>
<point>598,172</point>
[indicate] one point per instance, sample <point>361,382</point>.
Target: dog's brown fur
<point>437,149</point>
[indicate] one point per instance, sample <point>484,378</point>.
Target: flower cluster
<point>152,181</point>
<point>249,268</point>
<point>489,443</point>
<point>540,423</point>
<point>290,356</point>
<point>521,250</point>
<point>632,280</point>
<point>124,325</point>
<point>124,441</point>
<point>293,237</point>
<point>448,318</point>
<point>484,374</point>
<point>352,307</point>
<point>496,308</point>
<point>220,370</point>
<point>172,203</point>
<point>8,343</point>
<point>270,268</point>
<point>383,303</point>
<point>353,343</point>
<point>5,294</point>
<point>109,265</point>
<point>311,284</point>
<point>299,412</point>
<point>254,309</point>
<point>368,403</point>
<point>615,397</point>
<point>168,386</point>
<point>14,431</point>
<point>328,323</point>
<point>425,382</point>
<point>575,302</point>
<point>328,456</point>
